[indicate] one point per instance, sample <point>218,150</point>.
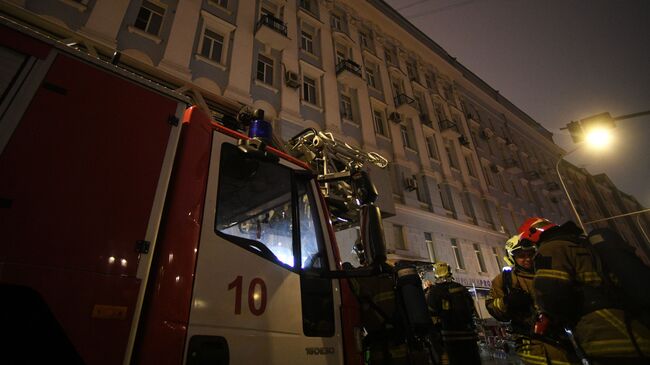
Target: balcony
<point>404,102</point>
<point>272,31</point>
<point>473,120</point>
<point>511,145</point>
<point>553,188</point>
<point>534,178</point>
<point>426,120</point>
<point>512,166</point>
<point>348,72</point>
<point>449,128</point>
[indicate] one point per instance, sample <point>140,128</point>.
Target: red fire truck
<point>134,228</point>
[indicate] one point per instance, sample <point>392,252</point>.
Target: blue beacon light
<point>260,128</point>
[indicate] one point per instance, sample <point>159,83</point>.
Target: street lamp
<point>595,131</point>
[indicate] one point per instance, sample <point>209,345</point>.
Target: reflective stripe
<point>552,274</point>
<point>609,317</point>
<point>499,304</point>
<point>614,347</point>
<point>532,359</point>
<point>389,295</point>
<point>456,290</point>
<point>589,277</point>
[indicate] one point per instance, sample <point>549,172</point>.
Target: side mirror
<point>372,235</point>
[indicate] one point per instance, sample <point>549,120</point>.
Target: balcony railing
<point>273,23</point>
<point>534,177</point>
<point>552,186</point>
<point>426,120</point>
<point>403,99</point>
<point>512,166</point>
<point>348,65</point>
<point>448,124</point>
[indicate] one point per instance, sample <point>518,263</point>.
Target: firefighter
<point>510,300</point>
<point>453,312</point>
<point>385,342</point>
<point>571,292</point>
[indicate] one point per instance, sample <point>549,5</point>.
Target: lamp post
<point>566,191</point>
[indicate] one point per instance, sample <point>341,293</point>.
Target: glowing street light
<point>594,131</point>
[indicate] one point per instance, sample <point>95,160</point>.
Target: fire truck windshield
<point>256,204</point>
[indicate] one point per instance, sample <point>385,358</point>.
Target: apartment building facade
<point>467,166</point>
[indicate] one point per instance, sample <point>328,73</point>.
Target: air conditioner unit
<point>485,135</point>
<point>395,117</point>
<point>494,168</point>
<point>292,80</point>
<point>410,183</point>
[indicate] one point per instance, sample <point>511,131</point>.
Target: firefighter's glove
<point>518,301</point>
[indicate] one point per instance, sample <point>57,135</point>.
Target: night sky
<point>558,61</point>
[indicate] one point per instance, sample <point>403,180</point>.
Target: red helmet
<point>534,227</point>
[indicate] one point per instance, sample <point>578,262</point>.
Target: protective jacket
<point>521,314</point>
<point>571,288</point>
<point>452,310</point>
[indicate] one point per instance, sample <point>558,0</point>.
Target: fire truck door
<point>258,298</point>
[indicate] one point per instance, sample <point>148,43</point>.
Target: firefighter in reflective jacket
<point>384,343</point>
<point>510,299</point>
<point>453,311</point>
<point>571,291</point>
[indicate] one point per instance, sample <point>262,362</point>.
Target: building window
<point>346,107</point>
<point>212,46</point>
<point>470,166</point>
<point>458,256</point>
<point>380,124</point>
<point>440,114</point>
<point>406,140</point>
<point>465,201</point>
<point>502,181</point>
<point>265,69</point>
<point>428,241</point>
<point>307,5</point>
<point>514,189</point>
<point>336,22</point>
<point>479,257</point>
<point>221,3</point>
<point>430,80</point>
<point>150,18</point>
<point>307,41</point>
<point>370,75</point>
<point>444,198</point>
<point>495,252</point>
<point>388,56</point>
<point>449,149</point>
<point>432,147</point>
<point>486,213</point>
<point>412,71</point>
<point>309,90</point>
<point>398,240</point>
<point>363,39</point>
<point>488,176</point>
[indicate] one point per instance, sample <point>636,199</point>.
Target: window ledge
<point>434,159</point>
<point>381,136</point>
<point>311,55</point>
<point>140,32</point>
<point>80,7</point>
<point>310,105</point>
<point>266,86</point>
<point>410,149</point>
<point>214,63</point>
<point>350,122</point>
